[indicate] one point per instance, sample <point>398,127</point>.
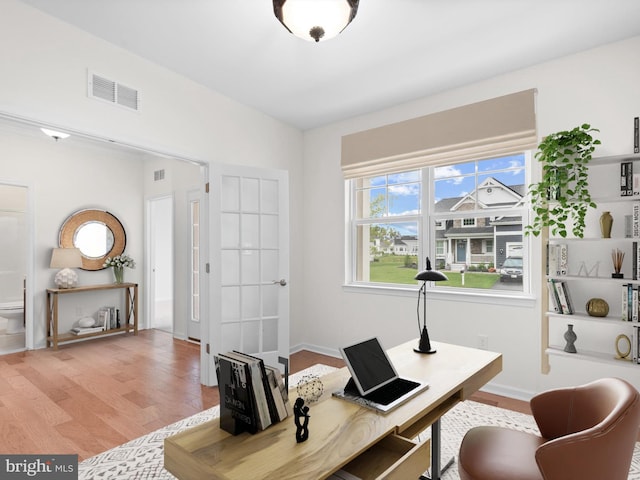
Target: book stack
<point>86,330</point>
<point>560,297</point>
<point>253,395</point>
<point>558,259</point>
<point>626,179</point>
<point>635,220</point>
<point>630,302</point>
<point>635,344</point>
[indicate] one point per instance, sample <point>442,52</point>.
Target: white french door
<point>249,268</point>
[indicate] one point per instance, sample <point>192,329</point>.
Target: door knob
<point>282,282</point>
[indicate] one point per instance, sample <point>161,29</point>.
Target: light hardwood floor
<point>91,396</point>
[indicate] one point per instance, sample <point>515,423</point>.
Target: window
<point>386,222</point>
<point>467,217</point>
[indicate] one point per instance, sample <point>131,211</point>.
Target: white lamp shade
<point>300,16</point>
<point>66,258</point>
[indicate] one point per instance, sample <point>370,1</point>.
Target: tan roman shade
<point>491,128</point>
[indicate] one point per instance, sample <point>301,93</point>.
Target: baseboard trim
<point>509,392</point>
<point>332,352</point>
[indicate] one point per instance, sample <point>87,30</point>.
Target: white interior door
<point>249,269</point>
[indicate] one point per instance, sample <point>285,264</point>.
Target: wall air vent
<point>110,91</point>
<point>158,175</point>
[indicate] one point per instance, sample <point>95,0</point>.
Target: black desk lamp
<point>425,276</point>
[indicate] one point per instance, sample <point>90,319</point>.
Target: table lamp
<point>66,259</point>
<point>425,276</point>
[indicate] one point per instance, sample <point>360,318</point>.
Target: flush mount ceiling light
<point>315,20</point>
<point>55,135</point>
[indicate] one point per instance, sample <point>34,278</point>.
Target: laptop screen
<point>369,365</point>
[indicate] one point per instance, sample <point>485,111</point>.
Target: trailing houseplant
<point>562,195</point>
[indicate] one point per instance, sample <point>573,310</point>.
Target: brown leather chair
<point>587,433</point>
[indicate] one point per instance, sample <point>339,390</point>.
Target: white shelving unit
<point>596,335</point>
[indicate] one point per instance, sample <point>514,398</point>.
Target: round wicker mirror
<point>97,233</point>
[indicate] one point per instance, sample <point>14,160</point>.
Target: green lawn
<point>391,269</point>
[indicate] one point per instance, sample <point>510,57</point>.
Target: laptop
<point>374,381</point>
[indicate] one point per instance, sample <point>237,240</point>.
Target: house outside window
<point>467,217</point>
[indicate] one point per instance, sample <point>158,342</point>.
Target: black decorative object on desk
<point>301,414</point>
<point>310,389</point>
<point>425,276</point>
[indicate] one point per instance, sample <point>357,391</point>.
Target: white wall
<point>45,78</point>
<point>598,86</point>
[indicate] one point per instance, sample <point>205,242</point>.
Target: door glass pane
<point>269,266</point>
<point>230,337</point>
<point>270,300</point>
<point>269,231</point>
<point>250,231</point>
<point>270,334</point>
<point>250,195</point>
<point>230,303</point>
<point>230,267</point>
<point>250,260</point>
<point>230,230</point>
<point>251,337</point>
<point>230,195</point>
<point>250,302</point>
<point>269,196</point>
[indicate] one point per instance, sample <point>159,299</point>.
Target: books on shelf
<point>85,330</point>
<point>630,302</point>
<point>629,179</point>
<point>635,220</point>
<point>252,394</point>
<point>558,259</point>
<point>560,296</point>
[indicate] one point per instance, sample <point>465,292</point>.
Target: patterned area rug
<point>143,458</point>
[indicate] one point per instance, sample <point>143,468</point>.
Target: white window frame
<point>427,243</point>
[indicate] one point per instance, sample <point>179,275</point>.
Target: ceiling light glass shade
<point>315,20</point>
<point>54,134</point>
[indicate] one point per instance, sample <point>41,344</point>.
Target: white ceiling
<point>394,51</point>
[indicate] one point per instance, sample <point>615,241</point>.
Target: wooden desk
<point>340,433</point>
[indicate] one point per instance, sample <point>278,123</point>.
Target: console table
<point>342,435</point>
<point>130,315</point>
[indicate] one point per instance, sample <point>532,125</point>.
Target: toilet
<point>12,317</point>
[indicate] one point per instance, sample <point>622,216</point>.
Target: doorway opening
<point>13,267</point>
<point>161,258</point>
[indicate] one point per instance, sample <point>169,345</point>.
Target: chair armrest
<point>585,454</point>
<point>551,411</point>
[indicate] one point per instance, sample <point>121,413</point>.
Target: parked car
<point>511,270</point>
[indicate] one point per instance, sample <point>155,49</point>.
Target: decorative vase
<point>118,273</point>
<point>606,221</point>
<point>597,307</point>
<point>570,337</point>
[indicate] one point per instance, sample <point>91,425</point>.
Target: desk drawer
<point>392,458</point>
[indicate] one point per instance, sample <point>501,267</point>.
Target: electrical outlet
<point>483,342</point>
